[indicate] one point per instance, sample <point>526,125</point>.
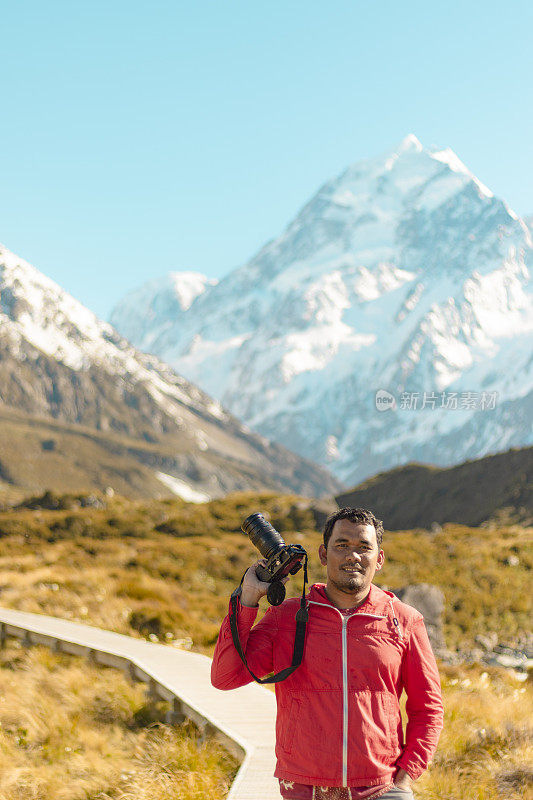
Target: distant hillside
<point>416,495</point>
<point>39,453</point>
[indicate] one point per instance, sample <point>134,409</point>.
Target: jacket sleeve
<point>227,669</point>
<point>424,707</point>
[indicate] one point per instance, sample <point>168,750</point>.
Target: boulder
<point>429,600</point>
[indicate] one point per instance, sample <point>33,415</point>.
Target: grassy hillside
<point>165,570</point>
<point>167,567</point>
<point>495,487</point>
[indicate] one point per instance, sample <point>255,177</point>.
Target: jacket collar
<point>376,602</point>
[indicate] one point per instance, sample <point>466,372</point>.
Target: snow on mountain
<point>58,359</point>
<point>403,274</point>
<point>37,311</point>
<point>144,314</point>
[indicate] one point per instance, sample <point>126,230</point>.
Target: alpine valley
<point>81,408</point>
<point>390,322</point>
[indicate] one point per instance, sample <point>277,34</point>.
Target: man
<point>338,730</point>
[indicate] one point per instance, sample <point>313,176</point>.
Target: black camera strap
<point>302,615</point>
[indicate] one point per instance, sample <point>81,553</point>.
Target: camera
<point>282,559</point>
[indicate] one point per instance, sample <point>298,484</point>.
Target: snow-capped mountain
<point>57,359</point>
<point>403,276</point>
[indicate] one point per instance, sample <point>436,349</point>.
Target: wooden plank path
<point>242,719</point>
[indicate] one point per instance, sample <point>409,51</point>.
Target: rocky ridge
<point>59,361</point>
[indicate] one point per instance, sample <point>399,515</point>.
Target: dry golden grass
<point>486,748</point>
<point>72,731</point>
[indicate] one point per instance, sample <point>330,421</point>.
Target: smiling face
<point>352,558</point>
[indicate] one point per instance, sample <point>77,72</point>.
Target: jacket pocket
<point>311,728</point>
<point>374,722</point>
<point>290,722</point>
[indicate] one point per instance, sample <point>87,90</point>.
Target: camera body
<point>281,559</point>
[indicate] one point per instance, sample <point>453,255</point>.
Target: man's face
<point>352,557</point>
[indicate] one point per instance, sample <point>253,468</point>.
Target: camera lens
<point>263,536</point>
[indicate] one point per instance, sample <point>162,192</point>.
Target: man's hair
<point>358,515</point>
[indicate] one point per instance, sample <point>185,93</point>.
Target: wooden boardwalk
<point>242,719</point>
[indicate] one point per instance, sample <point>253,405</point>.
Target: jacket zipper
<point>344,702</point>
<point>344,621</point>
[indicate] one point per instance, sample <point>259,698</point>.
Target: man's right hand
<point>252,589</point>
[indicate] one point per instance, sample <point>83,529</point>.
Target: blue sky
<point>138,138</point>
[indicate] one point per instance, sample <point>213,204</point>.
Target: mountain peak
<point>452,160</point>
<point>165,298</point>
<point>187,285</point>
<point>410,144</point>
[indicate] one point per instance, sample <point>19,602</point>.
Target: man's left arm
<point>424,708</point>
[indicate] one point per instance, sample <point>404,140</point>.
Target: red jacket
<point>338,720</point>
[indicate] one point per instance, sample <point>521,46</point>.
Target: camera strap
<point>302,615</point>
